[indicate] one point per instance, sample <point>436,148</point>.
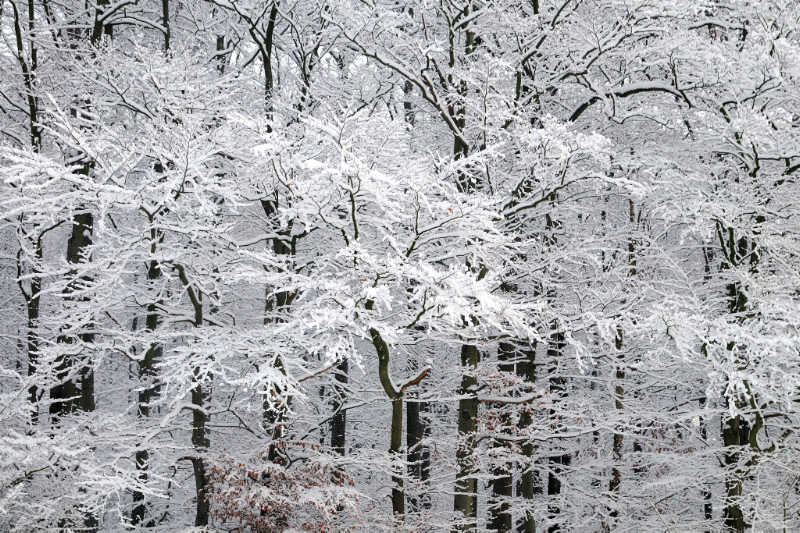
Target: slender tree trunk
<point>736,430</point>
<point>555,351</point>
<point>502,482</point>
<point>28,67</point>
<point>275,407</point>
<point>396,438</point>
<point>708,509</point>
<point>165,24</point>
<point>735,434</point>
<point>395,449</point>
<point>339,420</point>
<point>28,75</point>
<point>147,374</point>
<point>466,487</point>
<point>558,462</point>
<point>77,246</point>
<point>466,498</point>
<point>98,28</point>
<point>77,394</point>
<point>200,442</point>
<point>417,428</point>
<point>619,390</point>
<point>200,439</point>
<point>32,336</point>
<point>418,465</point>
<point>74,393</point>
<point>526,486</point>
<point>69,395</point>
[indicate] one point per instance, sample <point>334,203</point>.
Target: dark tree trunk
<point>736,430</point>
<point>32,308</point>
<point>419,459</point>
<point>147,374</point>
<point>395,449</point>
<point>619,391</point>
<point>708,508</point>
<point>501,483</point>
<point>466,498</point>
<point>526,486</point>
<point>35,131</point>
<point>165,24</point>
<point>396,438</point>
<point>200,442</point>
<point>274,405</point>
<point>555,351</point>
<point>558,462</point>
<point>735,434</point>
<point>339,420</point>
<point>200,439</point>
<point>75,392</point>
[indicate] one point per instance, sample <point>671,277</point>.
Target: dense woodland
<point>399,265</point>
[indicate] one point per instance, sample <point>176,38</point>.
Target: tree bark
<point>339,420</point>
<point>555,350</point>
<point>466,498</point>
<point>146,373</point>
<point>199,417</point>
<point>619,390</point>
<point>32,295</point>
<point>418,456</point>
<point>735,433</point>
<point>395,449</point>
<point>502,482</point>
<point>396,438</point>
<point>526,486</point>
<point>735,430</point>
<point>200,442</point>
<point>165,24</point>
<point>557,386</point>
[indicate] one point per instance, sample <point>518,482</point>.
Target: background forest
<point>399,265</point>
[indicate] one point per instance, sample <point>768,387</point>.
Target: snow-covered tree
<point>386,265</point>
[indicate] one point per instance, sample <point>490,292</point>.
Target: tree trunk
<point>339,420</point>
<point>555,350</point>
<point>466,498</point>
<point>735,431</point>
<point>466,486</point>
<point>419,465</point>
<point>199,416</point>
<point>619,391</point>
<point>80,240</point>
<point>71,394</point>
<point>396,439</point>
<point>502,482</point>
<point>275,407</point>
<point>395,449</point>
<point>735,434</point>
<point>165,24</point>
<point>147,374</point>
<point>526,486</point>
<point>200,442</point>
<point>708,509</point>
<point>32,337</point>
<point>35,131</point>
<point>557,387</point>
<point>98,28</point>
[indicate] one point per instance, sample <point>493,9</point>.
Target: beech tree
<point>399,266</point>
